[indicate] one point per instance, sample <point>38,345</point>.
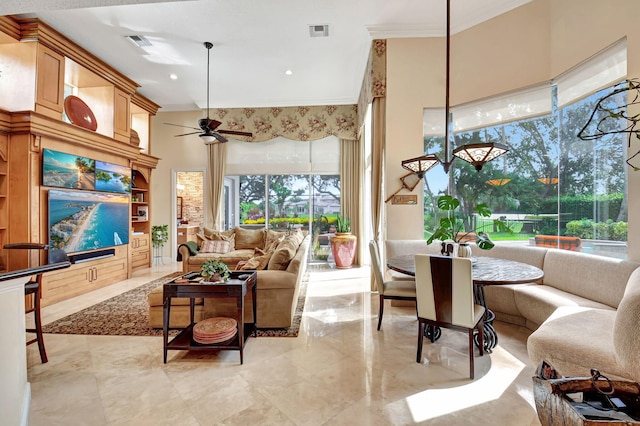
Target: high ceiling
<point>255,42</point>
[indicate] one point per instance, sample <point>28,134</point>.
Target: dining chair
<point>396,290</point>
<point>445,298</point>
<point>33,288</point>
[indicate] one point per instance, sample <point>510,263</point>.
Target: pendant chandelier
<point>475,153</point>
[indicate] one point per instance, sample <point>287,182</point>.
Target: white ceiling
<point>255,42</point>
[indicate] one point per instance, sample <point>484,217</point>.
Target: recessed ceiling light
<point>288,72</point>
<point>173,76</point>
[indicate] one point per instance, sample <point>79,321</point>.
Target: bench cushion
<point>597,278</point>
<point>626,332</point>
<point>576,339</point>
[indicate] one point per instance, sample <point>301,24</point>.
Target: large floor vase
<point>343,247</point>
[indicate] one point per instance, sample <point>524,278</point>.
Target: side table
<point>237,285</point>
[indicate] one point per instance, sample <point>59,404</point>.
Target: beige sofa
<point>278,284</point>
<point>585,313</point>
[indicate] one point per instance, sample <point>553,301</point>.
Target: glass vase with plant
<point>450,228</point>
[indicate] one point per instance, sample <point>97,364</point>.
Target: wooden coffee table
<point>237,285</point>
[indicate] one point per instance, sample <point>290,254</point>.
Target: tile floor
<point>338,371</point>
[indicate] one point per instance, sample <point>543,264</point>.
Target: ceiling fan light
<point>420,165</point>
<point>208,138</point>
<point>478,154</point>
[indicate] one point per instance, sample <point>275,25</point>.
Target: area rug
<point>128,315</point>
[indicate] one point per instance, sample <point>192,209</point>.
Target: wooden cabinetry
<point>140,251</point>
<point>83,277</point>
<point>4,203</point>
<point>141,215</point>
<point>41,67</point>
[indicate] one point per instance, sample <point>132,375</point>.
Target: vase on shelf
<point>343,247</point>
<point>464,250</point>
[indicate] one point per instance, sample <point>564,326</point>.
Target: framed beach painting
<point>112,177</point>
<point>67,170</point>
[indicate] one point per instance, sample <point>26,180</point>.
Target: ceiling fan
<point>209,128</point>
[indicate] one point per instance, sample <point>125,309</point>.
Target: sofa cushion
<point>601,279</point>
<point>272,237</point>
<point>284,253</point>
<point>626,330</point>
<point>576,339</point>
<point>249,238</point>
<point>231,258</point>
<point>214,235</point>
<point>215,246</point>
<point>537,302</point>
<point>258,261</point>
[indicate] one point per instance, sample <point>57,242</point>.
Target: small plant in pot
<point>450,228</point>
<point>343,225</point>
<point>214,270</point>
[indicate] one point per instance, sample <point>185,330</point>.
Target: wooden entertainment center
<point>39,68</point>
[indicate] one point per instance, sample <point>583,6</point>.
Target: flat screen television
<point>87,220</point>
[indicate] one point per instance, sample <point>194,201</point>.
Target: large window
<point>284,184</point>
<point>550,182</point>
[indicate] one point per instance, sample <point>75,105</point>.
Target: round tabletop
<point>486,270</point>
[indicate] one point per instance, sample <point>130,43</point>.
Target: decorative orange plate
<point>79,113</point>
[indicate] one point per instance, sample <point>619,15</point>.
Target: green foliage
<point>609,230</point>
<point>343,224</point>
<point>211,267</point>
<point>159,235</point>
<point>451,228</point>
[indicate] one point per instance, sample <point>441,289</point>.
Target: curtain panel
<point>302,123</point>
<point>216,169</point>
<point>374,83</point>
<point>350,192</point>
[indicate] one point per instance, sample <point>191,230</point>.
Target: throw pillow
<point>257,262</point>
<point>284,253</point>
<point>215,246</point>
<point>248,238</point>
<point>213,235</point>
<point>272,236</point>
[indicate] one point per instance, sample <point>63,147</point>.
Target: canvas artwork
<point>67,170</point>
<point>112,177</point>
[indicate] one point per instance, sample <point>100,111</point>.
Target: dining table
<point>485,271</point>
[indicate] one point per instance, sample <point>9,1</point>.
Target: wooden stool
<point>33,288</point>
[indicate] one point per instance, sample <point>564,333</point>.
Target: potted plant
<point>159,235</point>
<point>214,271</point>
<point>450,228</point>
<point>343,244</point>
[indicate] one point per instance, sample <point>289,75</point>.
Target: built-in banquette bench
<point>584,314</point>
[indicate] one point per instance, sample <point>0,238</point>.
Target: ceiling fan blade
<point>213,124</point>
<point>220,138</point>
<point>179,125</point>
<point>235,132</point>
<point>187,134</point>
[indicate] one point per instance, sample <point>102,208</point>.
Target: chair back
<point>374,250</point>
<point>444,289</point>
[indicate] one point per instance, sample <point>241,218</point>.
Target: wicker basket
<point>556,409</point>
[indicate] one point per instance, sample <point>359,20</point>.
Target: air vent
<point>138,40</point>
<point>319,30</point>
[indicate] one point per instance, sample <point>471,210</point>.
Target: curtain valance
<point>302,123</point>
